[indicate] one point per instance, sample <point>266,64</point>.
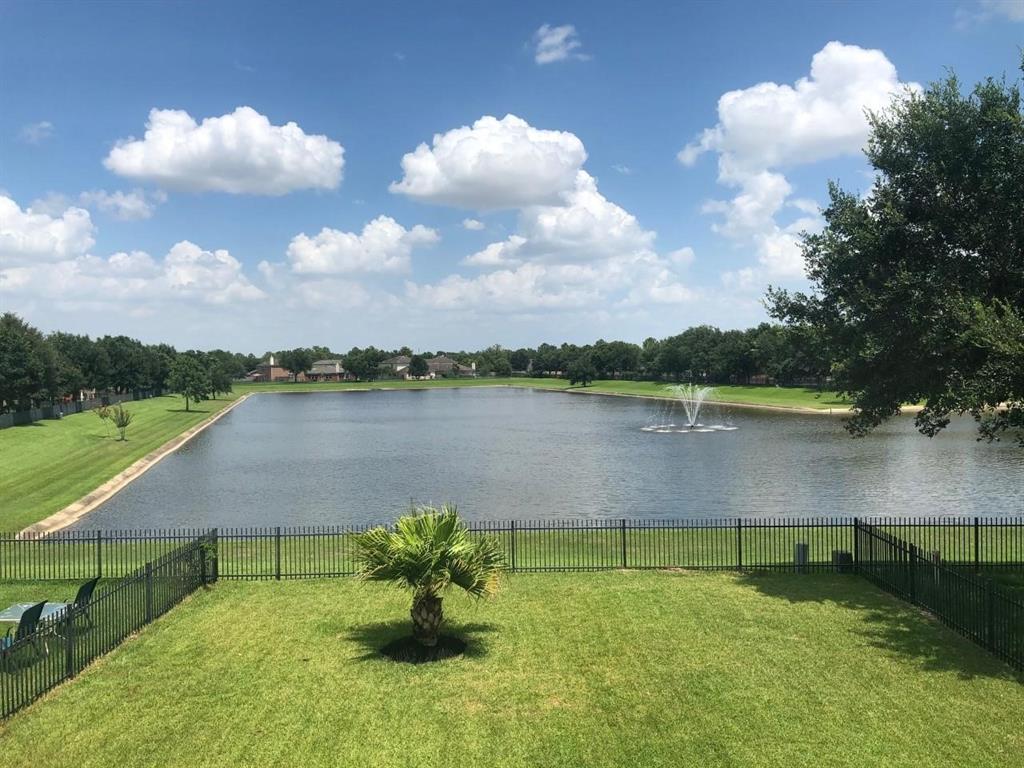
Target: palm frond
<point>430,550</point>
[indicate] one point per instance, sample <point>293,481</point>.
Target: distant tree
<point>121,418</point>
<point>84,354</point>
<point>364,364</point>
<point>157,360</point>
<point>520,359</point>
<point>126,357</point>
<point>418,366</point>
<point>221,377</point>
<point>27,367</point>
<point>918,287</point>
<point>189,378</point>
<point>501,366</point>
<point>295,361</point>
<point>581,371</point>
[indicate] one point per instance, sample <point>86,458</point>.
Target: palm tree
<point>427,552</point>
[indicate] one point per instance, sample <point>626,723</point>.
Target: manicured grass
<point>610,669</point>
<point>779,397</point>
<point>49,464</point>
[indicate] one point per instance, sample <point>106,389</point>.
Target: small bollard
<point>800,556</point>
<point>842,561</point>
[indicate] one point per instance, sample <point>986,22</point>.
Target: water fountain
<point>691,397</point>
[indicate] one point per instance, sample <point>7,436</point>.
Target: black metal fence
<point>968,604</point>
<point>551,545</point>
<point>62,646</point>
<point>60,409</point>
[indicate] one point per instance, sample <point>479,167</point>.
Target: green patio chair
<point>83,599</point>
<point>27,626</point>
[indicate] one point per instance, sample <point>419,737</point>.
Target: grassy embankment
<point>612,669</point>
<point>49,464</point>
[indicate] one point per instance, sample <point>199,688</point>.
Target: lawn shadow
<point>888,623</point>
<point>190,410</point>
<point>373,637</point>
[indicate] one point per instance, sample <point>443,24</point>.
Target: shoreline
<point>76,510</point>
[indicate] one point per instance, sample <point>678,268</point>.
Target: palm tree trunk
<point>427,616</point>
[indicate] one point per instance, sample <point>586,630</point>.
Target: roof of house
<point>441,361</point>
<point>327,366</point>
<point>397,360</point>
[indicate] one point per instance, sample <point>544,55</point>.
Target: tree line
<point>37,368</point>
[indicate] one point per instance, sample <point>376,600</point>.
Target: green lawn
<point>610,669</point>
<point>782,397</point>
<point>49,464</point>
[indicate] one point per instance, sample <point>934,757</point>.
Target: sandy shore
<point>78,509</point>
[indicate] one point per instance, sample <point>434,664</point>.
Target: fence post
<point>99,554</point>
<point>856,544</point>
<point>990,616</point>
<point>203,543</point>
<point>513,527</point>
<point>977,549</point>
<point>215,559</point>
<point>149,592</point>
<point>624,543</point>
<point>69,647</point>
<point>911,569</point>
<point>277,553</point>
<point>739,543</point>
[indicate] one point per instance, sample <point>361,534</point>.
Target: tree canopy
<point>918,287</point>
<point>418,366</point>
<point>189,378</point>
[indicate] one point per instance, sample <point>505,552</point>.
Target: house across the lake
<point>396,366</point>
<point>328,370</point>
<point>269,370</point>
<point>437,367</point>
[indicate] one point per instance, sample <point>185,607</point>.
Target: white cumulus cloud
<point>28,236</point>
<point>186,275</point>
<point>240,153</point>
<point>770,126</point>
<point>557,44</point>
<point>493,164</point>
<point>384,245</point>
<point>472,224</point>
<point>583,252</point>
<point>586,226</point>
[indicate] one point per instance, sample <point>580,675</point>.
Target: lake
<point>358,457</point>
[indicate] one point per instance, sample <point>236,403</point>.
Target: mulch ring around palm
<point>410,651</point>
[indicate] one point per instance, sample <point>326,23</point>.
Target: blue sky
<point>590,216</point>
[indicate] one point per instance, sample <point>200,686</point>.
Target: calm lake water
<point>359,457</point>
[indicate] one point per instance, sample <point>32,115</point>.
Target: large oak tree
<point>918,287</point>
